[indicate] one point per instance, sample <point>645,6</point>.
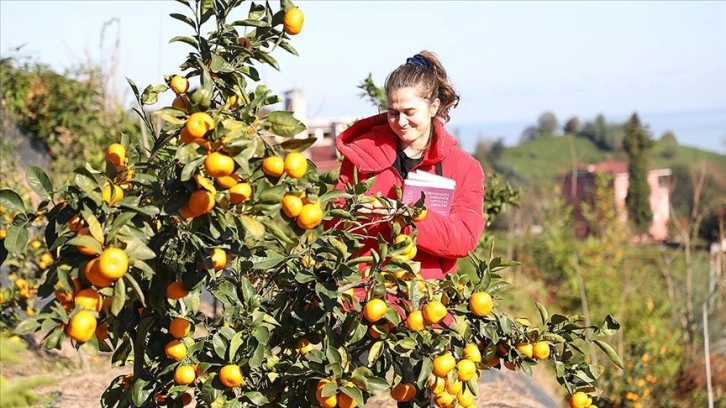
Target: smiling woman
<point>411,136</point>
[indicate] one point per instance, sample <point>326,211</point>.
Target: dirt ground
<point>82,379</point>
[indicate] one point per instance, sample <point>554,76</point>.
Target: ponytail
<point>425,72</point>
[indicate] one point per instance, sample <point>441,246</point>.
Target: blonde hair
<point>427,75</point>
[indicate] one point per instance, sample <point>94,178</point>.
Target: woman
<point>411,136</point>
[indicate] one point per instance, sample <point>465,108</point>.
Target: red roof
<point>607,166</point>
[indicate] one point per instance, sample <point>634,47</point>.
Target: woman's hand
<point>375,208</point>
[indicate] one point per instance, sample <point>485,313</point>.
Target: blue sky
<point>510,61</point>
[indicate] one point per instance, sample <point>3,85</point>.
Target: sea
<point>704,129</point>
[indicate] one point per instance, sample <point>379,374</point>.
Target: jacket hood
<point>370,144</point>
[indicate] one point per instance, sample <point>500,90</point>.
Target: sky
<point>510,61</point>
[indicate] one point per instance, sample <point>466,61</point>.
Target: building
<point>322,152</point>
<point>583,189</point>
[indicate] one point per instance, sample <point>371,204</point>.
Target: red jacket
<point>370,145</point>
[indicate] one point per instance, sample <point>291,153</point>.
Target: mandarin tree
<point>306,318</point>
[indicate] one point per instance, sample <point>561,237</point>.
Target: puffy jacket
<point>370,145</point>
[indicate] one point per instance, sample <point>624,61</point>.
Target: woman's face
<point>409,115</point>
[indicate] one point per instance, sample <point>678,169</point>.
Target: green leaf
<point>136,287</point>
<point>188,40</point>
<point>253,226</point>
<point>11,200</point>
<point>133,86</point>
<point>298,145</point>
<point>235,344</point>
<point>190,168</point>
<point>282,123</point>
<point>249,23</point>
<point>119,297</point>
<point>151,93</point>
<point>137,250</point>
<point>16,239</point>
<point>86,241</point>
<point>27,326</point>
<point>355,393</point>
<point>609,326</point>
<point>289,48</point>
<point>183,18</point>
<point>607,349</point>
<point>276,232</point>
<point>141,391</point>
<point>39,181</point>
<point>427,365</point>
<point>542,312</point>
<point>256,398</point>
<point>375,353</point>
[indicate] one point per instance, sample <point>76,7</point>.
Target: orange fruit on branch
<point>466,370</point>
<point>184,375</point>
<point>311,215</point>
<point>180,327</point>
<point>176,350</point>
<point>481,304</point>
<point>94,276</point>
<point>240,193</point>
<point>201,202</point>
<point>112,193</point>
<point>228,181</point>
<point>219,259</point>
<point>526,349</point>
<point>113,263</point>
<point>291,205</point>
<point>471,352</point>
<point>434,312</point>
<point>82,326</point>
<point>403,392</point>
<point>179,84</point>
<point>198,124</point>
<point>579,400</point>
<point>219,165</point>
<point>541,350</point>
<point>231,376</point>
<point>176,290</point>
<point>273,166</point>
<point>374,310</point>
<point>293,21</point>
<point>116,154</point>
<point>443,364</point>
<point>344,401</point>
<point>295,165</point>
<point>89,299</point>
<point>415,321</point>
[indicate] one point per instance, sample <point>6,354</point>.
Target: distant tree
<point>606,136</point>
<point>496,150</point>
<point>488,153</point>
<point>375,95</point>
<point>572,126</point>
<point>529,134</point>
<point>637,144</point>
<point>669,137</point>
<point>547,124</point>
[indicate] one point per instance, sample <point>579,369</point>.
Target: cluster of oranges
<point>114,192</point>
<point>333,399</point>
<point>306,213</point>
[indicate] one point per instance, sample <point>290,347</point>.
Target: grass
<point>549,158</point>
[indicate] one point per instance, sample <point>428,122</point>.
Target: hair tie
<point>419,61</point>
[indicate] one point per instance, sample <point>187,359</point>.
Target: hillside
<point>549,157</point>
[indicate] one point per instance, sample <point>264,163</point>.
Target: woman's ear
<point>434,107</point>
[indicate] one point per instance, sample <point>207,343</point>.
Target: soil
<point>694,377</point>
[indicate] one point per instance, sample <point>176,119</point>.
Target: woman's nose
<point>402,121</point>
